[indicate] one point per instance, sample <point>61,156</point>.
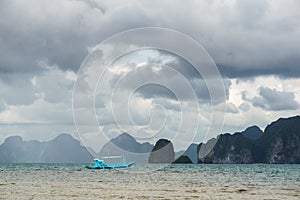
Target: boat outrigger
<point>100,164</point>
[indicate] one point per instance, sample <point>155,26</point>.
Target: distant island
<point>62,149</point>
<point>126,145</point>
<point>279,143</point>
<point>162,152</point>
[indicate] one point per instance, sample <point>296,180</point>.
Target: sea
<point>150,181</point>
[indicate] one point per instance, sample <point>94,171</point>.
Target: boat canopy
<point>106,157</point>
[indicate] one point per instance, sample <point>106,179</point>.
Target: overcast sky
<point>254,43</point>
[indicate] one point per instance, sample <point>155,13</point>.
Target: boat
<point>100,164</point>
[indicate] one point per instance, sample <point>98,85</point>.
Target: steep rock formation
<point>126,145</point>
<point>282,141</point>
<point>232,149</point>
<point>280,144</point>
<point>252,132</point>
<point>162,152</point>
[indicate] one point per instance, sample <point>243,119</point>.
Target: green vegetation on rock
<point>183,159</point>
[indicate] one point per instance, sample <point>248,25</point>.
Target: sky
<point>48,46</point>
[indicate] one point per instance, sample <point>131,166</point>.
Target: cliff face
<point>284,151</point>
<point>244,156</point>
<point>233,149</point>
<point>280,143</point>
<point>162,152</point>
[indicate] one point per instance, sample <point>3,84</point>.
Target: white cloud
<point>272,99</point>
<point>54,84</point>
<point>2,105</point>
<point>251,115</point>
<point>17,89</point>
<point>244,107</point>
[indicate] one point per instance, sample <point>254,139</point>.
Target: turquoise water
<point>147,181</point>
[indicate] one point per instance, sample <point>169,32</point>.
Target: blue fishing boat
<point>100,164</point>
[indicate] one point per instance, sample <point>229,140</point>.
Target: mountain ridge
<point>279,143</point>
<point>62,149</point>
<point>125,144</point>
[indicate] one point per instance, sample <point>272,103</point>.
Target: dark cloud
<point>274,100</point>
<point>247,41</point>
<point>44,33</point>
<point>251,12</point>
<point>245,38</point>
<point>174,79</point>
<point>178,63</point>
<point>17,89</point>
<point>289,68</point>
<point>163,83</point>
<point>59,32</point>
<point>155,90</point>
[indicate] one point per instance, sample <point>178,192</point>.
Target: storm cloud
<point>254,43</point>
<point>245,38</point>
<point>272,99</point>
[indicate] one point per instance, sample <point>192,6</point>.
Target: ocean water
<point>72,181</point>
